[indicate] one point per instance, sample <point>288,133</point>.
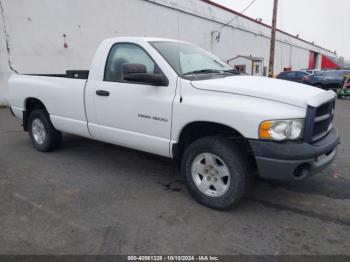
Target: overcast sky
<point>327,22</point>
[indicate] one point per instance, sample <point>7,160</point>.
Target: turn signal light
<point>264,130</point>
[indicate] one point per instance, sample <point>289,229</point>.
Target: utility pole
<point>273,38</point>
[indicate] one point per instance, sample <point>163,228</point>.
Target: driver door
<point>135,115</point>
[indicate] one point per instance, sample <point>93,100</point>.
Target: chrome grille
<point>319,121</point>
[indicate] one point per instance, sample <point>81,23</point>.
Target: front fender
<point>242,113</point>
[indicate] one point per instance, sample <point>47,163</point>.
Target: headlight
<point>280,130</point>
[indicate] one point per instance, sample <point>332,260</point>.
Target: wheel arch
<point>198,129</point>
<point>31,104</point>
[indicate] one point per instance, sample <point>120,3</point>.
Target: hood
<point>262,87</point>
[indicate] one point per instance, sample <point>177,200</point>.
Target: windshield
<point>192,62</point>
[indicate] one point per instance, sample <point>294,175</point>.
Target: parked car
<point>328,80</point>
<point>174,99</point>
<point>295,76</point>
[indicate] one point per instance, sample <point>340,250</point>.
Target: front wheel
<point>42,133</point>
<point>216,172</point>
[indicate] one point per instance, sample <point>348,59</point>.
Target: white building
<point>50,36</point>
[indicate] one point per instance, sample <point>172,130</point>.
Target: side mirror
<point>138,73</point>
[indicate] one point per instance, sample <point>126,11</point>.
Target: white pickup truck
<point>174,99</point>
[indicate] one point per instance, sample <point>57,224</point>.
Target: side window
<point>300,74</point>
<point>291,74</point>
<point>126,53</point>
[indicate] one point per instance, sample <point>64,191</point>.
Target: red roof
<point>258,22</point>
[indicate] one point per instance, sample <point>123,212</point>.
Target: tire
<point>43,135</point>
<point>229,176</point>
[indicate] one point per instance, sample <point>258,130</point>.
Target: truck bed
<point>63,96</point>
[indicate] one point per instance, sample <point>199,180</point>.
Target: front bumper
<point>293,160</point>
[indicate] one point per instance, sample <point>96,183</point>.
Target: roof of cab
<point>137,39</point>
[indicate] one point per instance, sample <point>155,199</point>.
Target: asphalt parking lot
<point>95,198</point>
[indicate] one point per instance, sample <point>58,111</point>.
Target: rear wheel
<point>42,133</point>
<point>216,172</point>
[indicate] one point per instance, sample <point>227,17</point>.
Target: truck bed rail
<point>77,74</point>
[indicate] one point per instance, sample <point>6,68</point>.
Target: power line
<point>233,19</point>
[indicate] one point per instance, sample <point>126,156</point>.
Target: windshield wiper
<point>212,71</point>
<point>203,71</point>
<point>232,71</point>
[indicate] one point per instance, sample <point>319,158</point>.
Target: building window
<point>241,68</point>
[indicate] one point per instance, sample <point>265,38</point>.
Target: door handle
<point>102,93</point>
